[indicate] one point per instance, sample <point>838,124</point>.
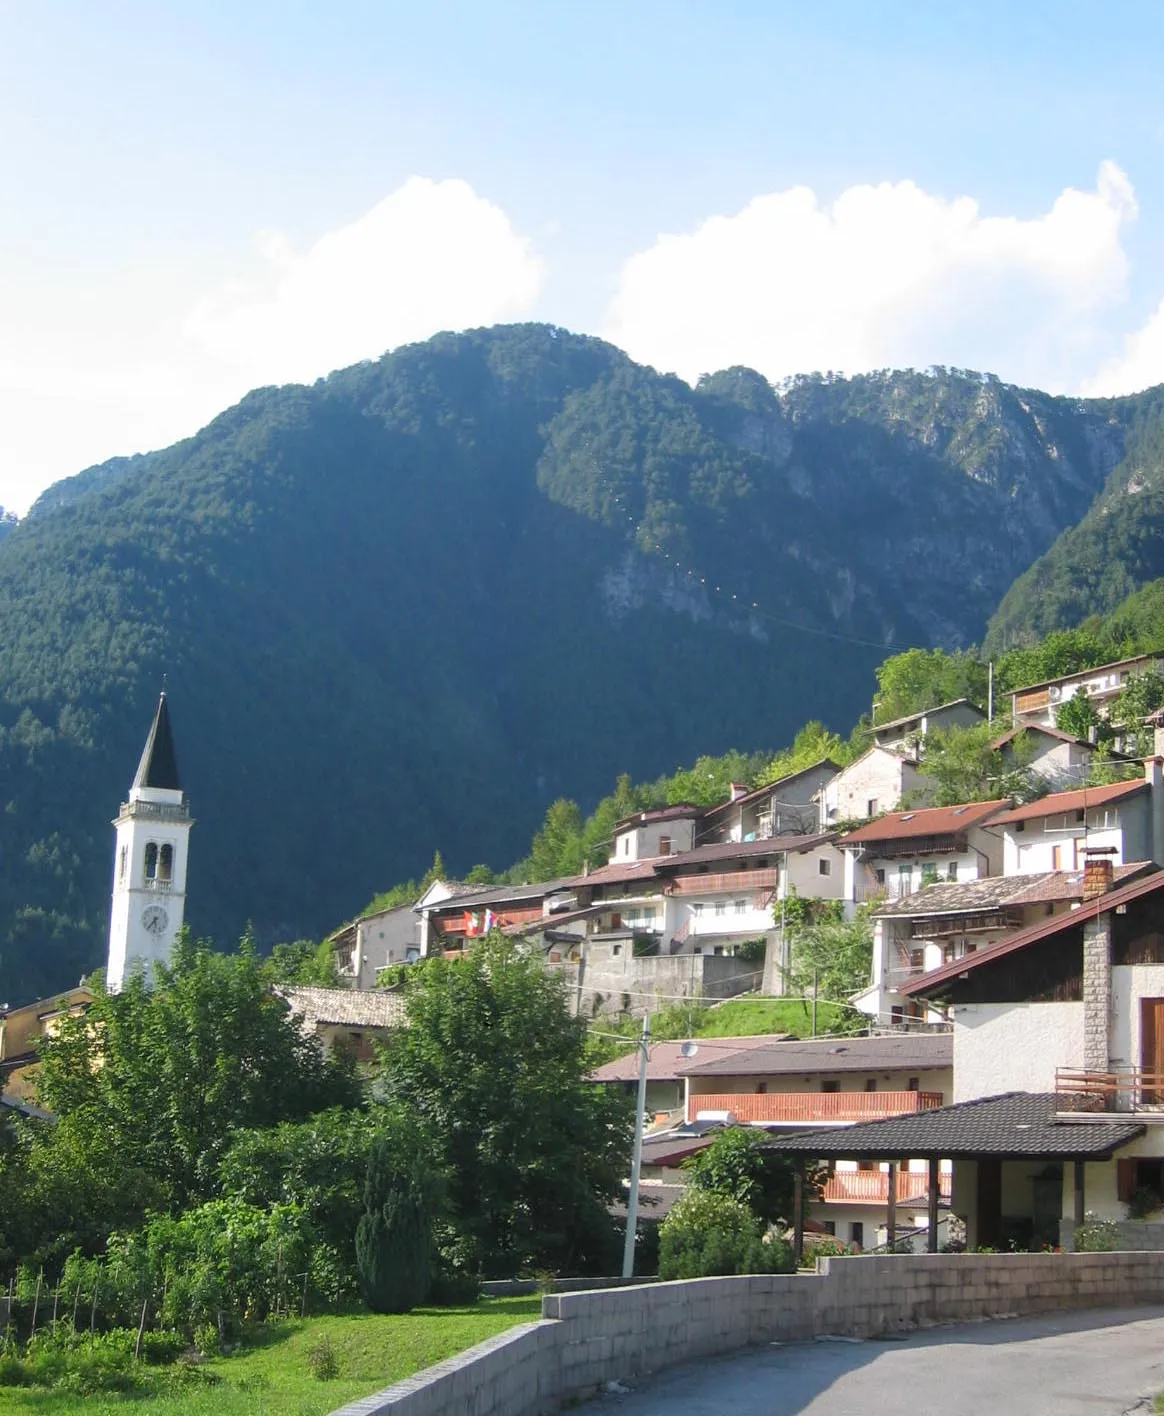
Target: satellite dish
<point>689,1049</point>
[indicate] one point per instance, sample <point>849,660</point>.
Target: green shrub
<point>752,951</point>
<point>708,1234</point>
<point>1097,1236</point>
<point>322,1361</point>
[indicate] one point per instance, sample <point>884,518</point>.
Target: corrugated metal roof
<point>1013,1124</point>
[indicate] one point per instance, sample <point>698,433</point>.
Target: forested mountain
<point>1116,549</point>
<point>412,604</point>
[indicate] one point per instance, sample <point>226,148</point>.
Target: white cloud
<point>1138,366</point>
<point>884,275</point>
<point>430,256</point>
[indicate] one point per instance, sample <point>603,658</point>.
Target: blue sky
<point>202,198</point>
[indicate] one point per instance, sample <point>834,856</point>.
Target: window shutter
<point>1125,1180</point>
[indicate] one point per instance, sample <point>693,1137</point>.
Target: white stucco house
<point>1062,761</point>
<point>880,780</point>
<point>1039,702</point>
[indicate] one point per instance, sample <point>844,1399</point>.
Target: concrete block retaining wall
<point>587,1339</point>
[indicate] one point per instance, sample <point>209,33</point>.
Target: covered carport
<point>991,1140</point>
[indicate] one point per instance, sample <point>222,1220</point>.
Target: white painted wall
<point>1005,1047</point>
<point>1124,827</point>
<point>642,842</point>
<point>1130,983</point>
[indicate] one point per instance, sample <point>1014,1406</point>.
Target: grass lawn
<point>273,1378</point>
<point>747,1016</point>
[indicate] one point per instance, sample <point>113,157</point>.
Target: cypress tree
<point>393,1237</point>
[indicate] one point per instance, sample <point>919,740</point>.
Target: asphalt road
<point>1070,1364</point>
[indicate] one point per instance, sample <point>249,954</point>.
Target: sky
<point>196,200</point>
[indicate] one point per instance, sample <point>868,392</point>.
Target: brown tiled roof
<point>833,1054</point>
<point>1013,1124</point>
<point>665,1058</point>
<point>926,821</point>
<point>355,1007</point>
<point>680,811</point>
<point>1122,895</point>
<point>1060,802</point>
<point>660,866</point>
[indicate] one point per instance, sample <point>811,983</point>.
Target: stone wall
<point>1130,1234</point>
<point>587,1339</point>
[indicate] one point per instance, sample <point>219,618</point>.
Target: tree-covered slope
<point>411,605</point>
<point>1116,549</point>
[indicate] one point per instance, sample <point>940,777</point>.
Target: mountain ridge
<point>409,605</point>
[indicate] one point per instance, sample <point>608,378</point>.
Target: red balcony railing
<point>824,1107</point>
<point>849,1187</point>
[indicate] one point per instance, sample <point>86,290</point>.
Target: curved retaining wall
<point>587,1339</point>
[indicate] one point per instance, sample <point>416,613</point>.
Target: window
<point>830,1087</point>
<point>912,1084</point>
<point>830,1226</point>
<point>871,807</point>
<point>718,949</point>
<point>151,861</point>
<point>122,861</point>
<point>857,1232</point>
<point>721,907</point>
<point>697,909</point>
<point>870,1084</point>
<point>952,870</point>
<point>880,874</point>
<point>664,845</point>
<point>616,949</point>
<point>917,958</point>
<point>166,863</point>
<point>866,1165</point>
<point>1056,857</point>
<point>741,907</point>
<point>824,867</point>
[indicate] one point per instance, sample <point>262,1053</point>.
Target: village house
<point>23,1029</point>
<point>881,779</point>
<point>1058,1047</point>
<point>902,852</point>
<point>1125,819</point>
<point>451,916</point>
<point>1060,760</point>
<point>1039,702</point>
<point>789,806</point>
<point>666,1085</point>
<point>348,1018</point>
<point>942,923</point>
<point>908,734</point>
<point>366,945</point>
<point>833,1082</point>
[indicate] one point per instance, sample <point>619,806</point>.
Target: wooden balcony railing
<point>848,1187</point>
<point>1121,1089</point>
<point>823,1107</point>
<point>724,882</point>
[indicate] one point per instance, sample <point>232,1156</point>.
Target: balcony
<point>1122,1089</point>
<point>161,886</point>
<point>871,1187</point>
<point>725,882</point>
<point>813,1108</point>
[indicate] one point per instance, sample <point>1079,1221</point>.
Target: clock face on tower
<point>154,920</point>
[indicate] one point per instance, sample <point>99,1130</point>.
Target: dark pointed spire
<point>159,764</point>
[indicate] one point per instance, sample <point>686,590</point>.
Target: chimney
<point>736,791</point>
<point>1097,876</point>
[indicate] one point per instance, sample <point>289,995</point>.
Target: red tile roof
<point>929,821</point>
<point>1012,943</point>
<point>1059,803</point>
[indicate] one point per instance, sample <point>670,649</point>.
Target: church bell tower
<point>149,860</point>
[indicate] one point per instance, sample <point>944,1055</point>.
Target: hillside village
<point>999,1075</point>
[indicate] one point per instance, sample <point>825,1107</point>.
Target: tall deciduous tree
<point>159,1079</point>
<point>495,1065</point>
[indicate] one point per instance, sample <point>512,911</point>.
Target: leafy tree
<point>966,766</point>
<point>394,1237</point>
<point>1080,717</point>
<point>557,848</point>
<point>923,678</point>
<point>735,1165</point>
<point>305,963</point>
<point>1142,694</point>
<point>708,1233</point>
<point>158,1080</point>
<point>831,957</point>
<point>495,1066</point>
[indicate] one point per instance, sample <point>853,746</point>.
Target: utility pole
<point>990,691</point>
<point>632,1206</point>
